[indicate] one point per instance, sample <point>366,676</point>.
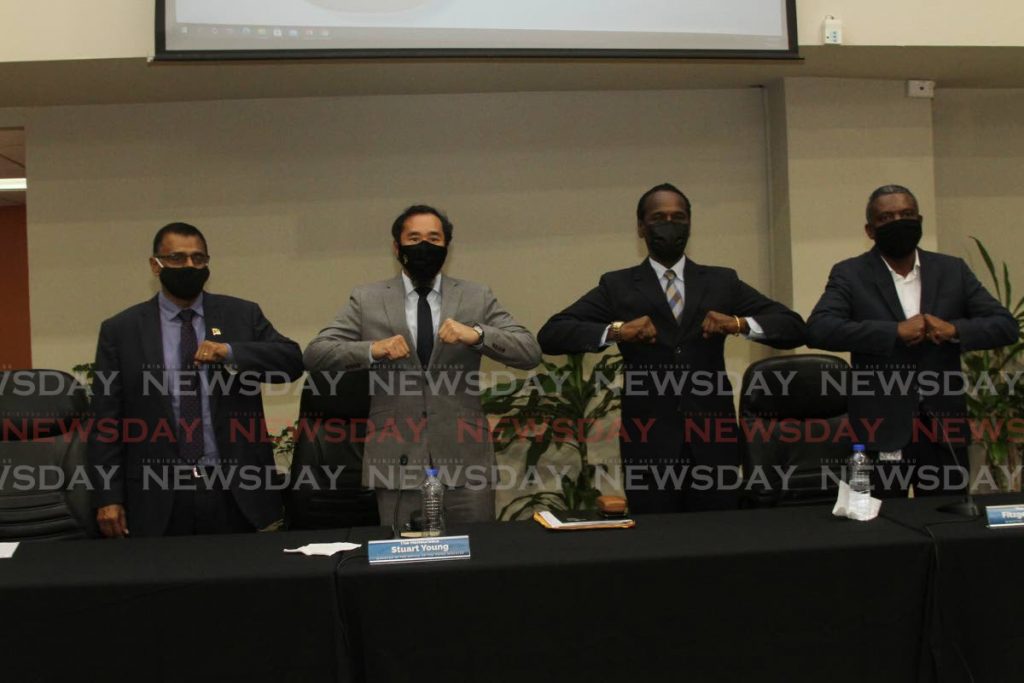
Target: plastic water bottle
<point>859,479</point>
<point>433,504</point>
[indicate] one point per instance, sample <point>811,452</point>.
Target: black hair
<point>664,187</point>
<point>183,229</point>
<point>416,210</point>
<point>887,190</point>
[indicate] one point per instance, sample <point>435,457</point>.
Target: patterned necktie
<point>424,327</point>
<point>190,406</point>
<point>674,294</point>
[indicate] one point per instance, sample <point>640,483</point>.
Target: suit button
<point>404,460</point>
<point>679,349</point>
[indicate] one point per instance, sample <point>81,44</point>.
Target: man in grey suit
<point>421,335</point>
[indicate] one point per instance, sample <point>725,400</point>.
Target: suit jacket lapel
<point>451,295</point>
<point>151,334</point>
<point>929,282</point>
<point>646,280</point>
<point>212,318</point>
<point>394,309</point>
<point>694,285</point>
<point>884,283</point>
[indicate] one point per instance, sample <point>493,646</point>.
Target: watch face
<point>368,6</point>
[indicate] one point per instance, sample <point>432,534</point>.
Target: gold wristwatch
<point>615,331</point>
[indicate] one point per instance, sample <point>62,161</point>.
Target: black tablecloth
<point>768,595</point>
<point>977,633</point>
<point>765,595</point>
<point>214,608</point>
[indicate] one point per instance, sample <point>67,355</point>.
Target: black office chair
<point>43,422</point>
<point>777,419</point>
<point>328,412</point>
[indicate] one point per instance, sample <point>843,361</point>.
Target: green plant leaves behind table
<point>528,407</point>
<point>1004,403</point>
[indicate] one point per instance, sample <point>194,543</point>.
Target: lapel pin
<point>216,331</point>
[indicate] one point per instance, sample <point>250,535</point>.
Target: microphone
<point>967,507</point>
<point>395,532</point>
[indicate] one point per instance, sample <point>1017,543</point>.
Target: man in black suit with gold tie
<point>669,317</point>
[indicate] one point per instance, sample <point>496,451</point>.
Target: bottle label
<point>426,549</point>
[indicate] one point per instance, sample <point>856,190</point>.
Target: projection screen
<point>268,29</point>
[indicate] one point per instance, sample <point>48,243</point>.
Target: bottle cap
<point>858,448</point>
<point>431,471</point>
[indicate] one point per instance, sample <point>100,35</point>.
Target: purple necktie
<point>190,406</point>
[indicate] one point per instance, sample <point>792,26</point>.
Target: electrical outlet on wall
<point>833,31</point>
<point>922,89</point>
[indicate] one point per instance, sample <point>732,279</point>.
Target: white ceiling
<point>12,162</point>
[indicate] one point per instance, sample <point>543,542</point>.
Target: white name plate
<point>426,549</point>
<point>1000,516</point>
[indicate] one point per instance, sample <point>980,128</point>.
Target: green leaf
<point>538,448</point>
<point>998,452</point>
<point>1008,294</point>
<point>989,266</point>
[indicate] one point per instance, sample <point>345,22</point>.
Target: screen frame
<point>162,54</point>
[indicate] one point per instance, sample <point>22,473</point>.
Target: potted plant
<point>992,398</point>
<point>527,408</point>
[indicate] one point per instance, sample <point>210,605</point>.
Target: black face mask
<point>666,240</point>
<point>184,283</point>
<point>898,239</point>
<point>422,261</point>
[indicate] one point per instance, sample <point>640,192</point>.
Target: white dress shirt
<point>908,287</point>
<point>412,302</point>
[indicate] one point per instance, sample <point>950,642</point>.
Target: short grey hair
<point>883,191</point>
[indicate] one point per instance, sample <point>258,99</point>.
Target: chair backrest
<point>329,440</point>
<point>793,416</point>
<point>44,489</point>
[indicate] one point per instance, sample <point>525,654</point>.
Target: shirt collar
<point>916,271</point>
<point>411,289</point>
<point>660,270</point>
<point>169,310</point>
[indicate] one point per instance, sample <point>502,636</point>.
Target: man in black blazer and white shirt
<point>178,446</point>
<point>669,317</point>
<point>906,315</point>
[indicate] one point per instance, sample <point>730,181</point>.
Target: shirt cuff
<point>755,330</point>
<point>604,338</point>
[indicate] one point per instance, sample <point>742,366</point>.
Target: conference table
<point>786,594</point>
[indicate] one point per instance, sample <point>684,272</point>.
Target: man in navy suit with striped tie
<point>669,317</point>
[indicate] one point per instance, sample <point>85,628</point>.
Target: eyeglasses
<point>179,259</point>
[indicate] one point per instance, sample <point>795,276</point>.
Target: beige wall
<point>915,22</point>
<point>73,29</point>
<point>104,29</point>
<point>296,197</point>
<point>979,175</point>
<point>844,138</point>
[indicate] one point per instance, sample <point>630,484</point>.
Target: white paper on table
<point>7,550</point>
<point>325,549</point>
<point>853,505</point>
